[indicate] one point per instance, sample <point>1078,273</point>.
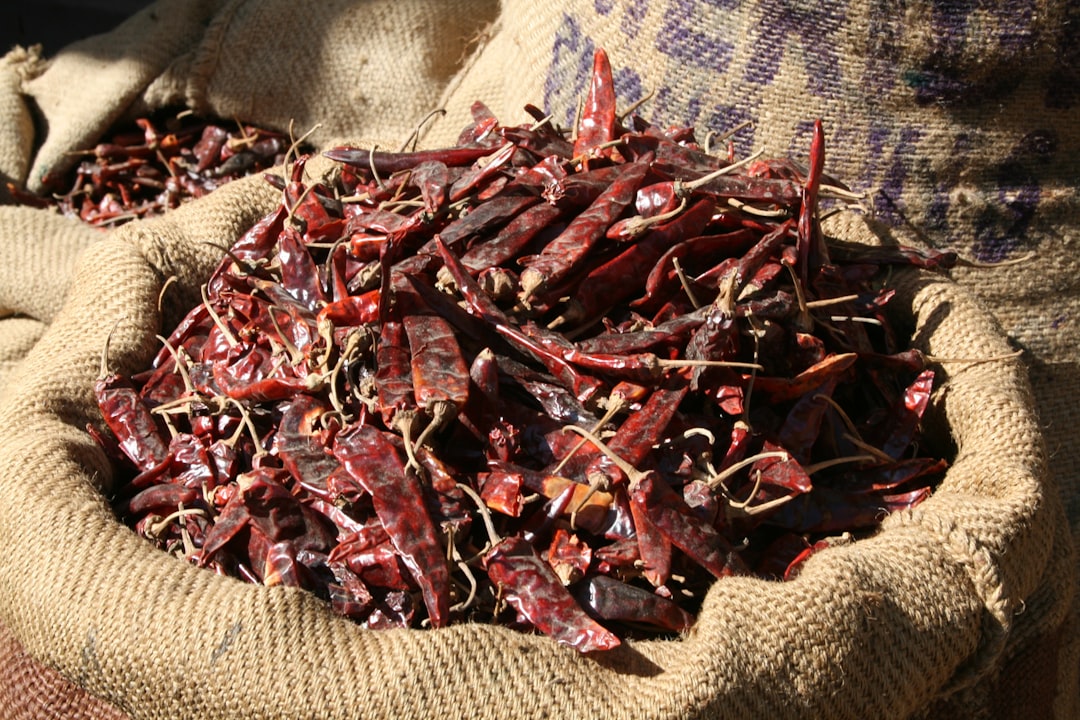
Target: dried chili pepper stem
<point>156,528</point>
<point>717,481</point>
<point>229,336</point>
<point>685,282</point>
<point>636,225</point>
<point>616,405</point>
<point>600,482</point>
<point>760,212</point>
<point>493,536</point>
<point>825,464</point>
<point>742,508</point>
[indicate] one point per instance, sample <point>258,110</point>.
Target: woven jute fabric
<point>329,70</point>
<point>370,69</point>
<point>34,691</point>
<point>17,128</point>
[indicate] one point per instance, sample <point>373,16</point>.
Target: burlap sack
<point>960,121</point>
<point>357,68</point>
<point>17,128</point>
<point>910,622</point>
<point>345,68</point>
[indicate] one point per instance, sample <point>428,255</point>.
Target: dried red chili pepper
<point>373,461</point>
<point>530,586</point>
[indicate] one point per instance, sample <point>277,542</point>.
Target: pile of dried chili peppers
<point>562,383</point>
<point>155,165</point>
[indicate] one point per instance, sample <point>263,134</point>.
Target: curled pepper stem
<point>103,369</point>
<point>760,212</point>
<point>685,282</point>
<point>181,365</point>
<point>718,480</point>
<point>684,189</point>
<point>635,105</point>
<point>415,135</point>
<point>169,282</point>
<point>493,537</point>
<point>858,442</point>
<point>442,411</point>
<point>157,527</point>
<point>229,337</point>
<point>614,408</point>
<point>629,470</point>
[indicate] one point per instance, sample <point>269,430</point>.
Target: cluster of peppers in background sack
<point>561,382</point>
<point>161,162</point>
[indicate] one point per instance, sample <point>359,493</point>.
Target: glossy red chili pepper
<point>560,256</point>
<point>583,387</point>
<point>299,275</point>
<point>387,163</point>
<point>610,599</point>
<point>493,212</point>
<point>674,519</point>
<point>352,310</point>
<point>529,585</point>
<point>606,284</point>
<point>373,461</point>
<point>597,126</point>
<point>440,378</point>
<point>131,422</point>
<point>810,245</point>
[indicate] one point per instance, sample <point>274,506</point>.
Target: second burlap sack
<point>335,69</point>
<point>909,622</point>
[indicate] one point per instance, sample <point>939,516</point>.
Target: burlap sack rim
<point>951,549</point>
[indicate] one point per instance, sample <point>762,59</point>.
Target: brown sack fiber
<point>356,68</point>
<point>903,624</point>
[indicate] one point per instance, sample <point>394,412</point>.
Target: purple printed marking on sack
<point>628,86</point>
<point>1003,226</point>
<point>633,16</point>
<point>603,7</point>
<point>962,53</point>
<point>681,36</point>
<point>813,25</point>
<point>568,73</point>
<point>888,203</point>
<point>672,107</point>
<point>884,37</point>
<point>1009,23</point>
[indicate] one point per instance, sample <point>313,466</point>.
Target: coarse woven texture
<point>17,128</point>
<point>959,121</point>
<point>889,627</point>
<point>355,68</point>
<point>37,255</point>
<point>33,691</point>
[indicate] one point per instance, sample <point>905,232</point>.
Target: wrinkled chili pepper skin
<point>558,257</point>
<point>130,421</point>
<point>373,461</point>
<point>678,523</point>
<point>610,599</point>
<point>438,369</point>
<point>530,586</point>
<point>597,125</point>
